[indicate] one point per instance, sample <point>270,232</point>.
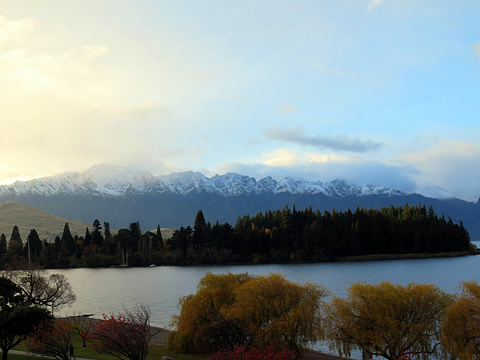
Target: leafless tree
<point>51,291</point>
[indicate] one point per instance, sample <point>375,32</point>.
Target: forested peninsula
<point>287,235</point>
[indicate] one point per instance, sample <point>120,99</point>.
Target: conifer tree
<point>159,238</point>
<point>67,239</point>
<point>34,243</point>
<point>15,244</point>
<point>3,244</point>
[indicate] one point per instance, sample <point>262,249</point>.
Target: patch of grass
<point>23,357</point>
<point>156,353</point>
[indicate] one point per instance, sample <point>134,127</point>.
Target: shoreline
<point>358,258</point>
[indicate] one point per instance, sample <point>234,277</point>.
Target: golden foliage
<point>387,320</point>
<point>263,310</point>
<point>461,328</point>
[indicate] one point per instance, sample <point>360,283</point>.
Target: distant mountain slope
<point>121,196</point>
<point>47,225</point>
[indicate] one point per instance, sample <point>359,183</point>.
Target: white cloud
<point>288,109</point>
<point>146,111</point>
<point>33,72</point>
<point>15,30</point>
<point>320,167</point>
<point>93,51</point>
<point>449,164</point>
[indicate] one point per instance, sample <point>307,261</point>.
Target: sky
<point>379,92</point>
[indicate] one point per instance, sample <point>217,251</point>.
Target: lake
<point>110,290</point>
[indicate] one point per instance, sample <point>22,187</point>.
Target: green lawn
<point>156,353</point>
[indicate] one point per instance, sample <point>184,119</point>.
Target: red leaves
<point>123,336</point>
<point>244,353</point>
<point>51,339</point>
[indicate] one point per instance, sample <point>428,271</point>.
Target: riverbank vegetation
<point>286,235</point>
<point>248,316</point>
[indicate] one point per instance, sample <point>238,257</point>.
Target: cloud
<point>336,143</point>
<point>288,109</point>
<point>34,71</point>
<point>312,167</point>
<point>93,51</point>
<point>147,111</point>
<point>15,30</point>
<point>453,165</point>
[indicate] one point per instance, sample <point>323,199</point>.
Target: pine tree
<point>67,240</point>
<point>159,239</point>
<point>34,243</point>
<point>3,244</point>
<point>199,230</point>
<point>97,237</point>
<point>15,244</point>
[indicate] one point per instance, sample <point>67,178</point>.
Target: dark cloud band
<point>337,143</point>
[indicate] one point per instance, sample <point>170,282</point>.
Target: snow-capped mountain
<point>123,195</point>
<point>114,181</point>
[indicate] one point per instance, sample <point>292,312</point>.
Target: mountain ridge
<point>121,196</point>
<point>116,181</point>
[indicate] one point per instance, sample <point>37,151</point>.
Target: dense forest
<point>274,236</point>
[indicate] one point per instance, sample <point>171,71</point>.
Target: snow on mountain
<point>435,192</point>
<point>111,181</point>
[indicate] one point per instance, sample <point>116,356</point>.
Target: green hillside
<point>47,225</point>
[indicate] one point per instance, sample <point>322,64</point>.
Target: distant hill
<point>47,225</point>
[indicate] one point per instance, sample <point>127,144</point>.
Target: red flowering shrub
<point>124,336</point>
<point>51,339</point>
<point>244,353</point>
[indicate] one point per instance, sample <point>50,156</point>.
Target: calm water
<point>106,291</point>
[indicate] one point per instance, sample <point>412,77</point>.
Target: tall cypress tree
<point>34,243</point>
<point>15,244</point>
<point>3,244</point>
<point>159,238</point>
<point>199,229</point>
<point>67,239</point>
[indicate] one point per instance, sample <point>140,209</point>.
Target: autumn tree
<point>279,312</point>
<point>124,336</point>
<point>51,339</point>
<point>239,309</point>
<point>17,316</point>
<point>205,312</point>
<point>387,320</point>
<point>461,327</point>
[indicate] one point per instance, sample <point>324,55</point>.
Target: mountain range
<point>122,195</point>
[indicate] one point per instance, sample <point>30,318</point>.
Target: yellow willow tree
<point>239,309</point>
<point>202,323</point>
<point>387,320</point>
<point>461,327</point>
<point>278,312</point>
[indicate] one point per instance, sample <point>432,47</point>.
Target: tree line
<point>273,236</point>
